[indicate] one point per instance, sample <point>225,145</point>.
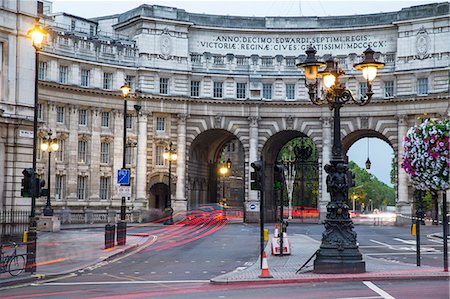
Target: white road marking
<point>187,272</point>
<point>370,297</point>
<point>204,272</point>
<point>401,253</point>
<point>409,242</point>
<point>124,282</point>
<point>377,290</point>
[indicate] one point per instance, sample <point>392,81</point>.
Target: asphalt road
<point>181,261</point>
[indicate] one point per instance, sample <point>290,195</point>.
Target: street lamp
<point>170,154</point>
<point>368,163</point>
<point>339,252</point>
<point>223,170</point>
<point>122,225</point>
<point>49,145</point>
<point>37,35</point>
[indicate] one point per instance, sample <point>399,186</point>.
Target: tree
<point>369,188</point>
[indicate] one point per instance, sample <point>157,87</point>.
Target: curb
<point>327,279</point>
<point>20,281</point>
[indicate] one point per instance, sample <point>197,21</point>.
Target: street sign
<point>123,177</point>
<point>124,191</point>
<point>252,207</point>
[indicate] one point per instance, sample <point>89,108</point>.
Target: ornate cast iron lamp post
<point>49,145</point>
<point>37,35</point>
<point>223,170</point>
<point>170,154</point>
<point>339,252</point>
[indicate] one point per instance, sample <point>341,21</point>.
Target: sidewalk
<point>71,250</point>
<point>284,268</point>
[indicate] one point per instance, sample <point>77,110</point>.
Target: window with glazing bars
<point>61,150</point>
<point>59,186</point>
<point>63,74</point>
<point>82,151</point>
<point>82,117</point>
<point>105,119</point>
<point>104,152</point>
<point>388,89</point>
<point>164,85</point>
<point>159,160</point>
<point>218,90</point>
<point>267,91</point>
<point>362,88</point>
<point>422,86</point>
<point>195,88</point>
<point>107,80</point>
<point>290,91</point>
<point>160,124</point>
<point>85,74</point>
<point>42,72</point>
<point>81,187</point>
<point>60,115</point>
<point>105,183</point>
<point>241,90</point>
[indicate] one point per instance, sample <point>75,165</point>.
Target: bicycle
<point>14,263</point>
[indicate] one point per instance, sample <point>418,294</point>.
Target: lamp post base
<point>48,211</point>
<point>335,261</point>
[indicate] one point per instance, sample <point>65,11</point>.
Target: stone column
<point>253,195</point>
<point>404,205</point>
<point>141,161</point>
<point>94,169</point>
<point>325,198</point>
<point>72,155</point>
<point>180,203</point>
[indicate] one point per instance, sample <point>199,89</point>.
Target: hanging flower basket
<point>426,154</point>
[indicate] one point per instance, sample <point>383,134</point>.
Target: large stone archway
<point>205,156</point>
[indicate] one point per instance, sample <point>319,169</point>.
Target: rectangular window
<point>40,112</point>
<point>129,155</point>
<point>105,183</point>
<point>61,150</point>
<point>218,90</point>
<point>82,117</point>
<point>81,187</point>
<point>129,122</point>
<point>42,72</point>
<point>72,25</point>
<point>290,91</point>
<point>105,120</point>
<point>82,151</point>
<point>362,89</point>
<point>241,90</point>
<point>63,74</point>
<point>267,91</point>
<point>388,89</point>
<point>195,88</point>
<point>218,60</point>
<point>104,152</point>
<point>164,85</point>
<point>85,76</point>
<point>290,61</point>
<point>91,30</point>
<point>107,81</point>
<point>59,186</point>
<point>422,86</point>
<point>60,115</point>
<point>159,159</point>
<point>266,61</point>
<point>160,124</point>
<point>131,80</point>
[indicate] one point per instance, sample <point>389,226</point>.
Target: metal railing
<point>13,223</point>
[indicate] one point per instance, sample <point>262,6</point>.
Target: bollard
<point>110,233</point>
<point>121,233</point>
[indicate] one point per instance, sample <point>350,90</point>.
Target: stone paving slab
<point>284,268</point>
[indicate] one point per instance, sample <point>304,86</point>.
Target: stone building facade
<point>203,81</point>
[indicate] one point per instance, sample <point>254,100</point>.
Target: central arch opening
<point>207,185</point>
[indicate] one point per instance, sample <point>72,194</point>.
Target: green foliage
<point>368,187</point>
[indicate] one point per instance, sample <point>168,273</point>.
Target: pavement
<point>74,249</point>
<point>60,254</point>
<point>284,268</point>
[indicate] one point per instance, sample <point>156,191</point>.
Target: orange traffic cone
<point>276,232</point>
<point>265,267</point>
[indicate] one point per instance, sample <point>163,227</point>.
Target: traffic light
<point>257,176</point>
<point>27,182</point>
<point>278,176</point>
<point>38,191</point>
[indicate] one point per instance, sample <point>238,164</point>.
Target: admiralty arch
<point>216,87</point>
